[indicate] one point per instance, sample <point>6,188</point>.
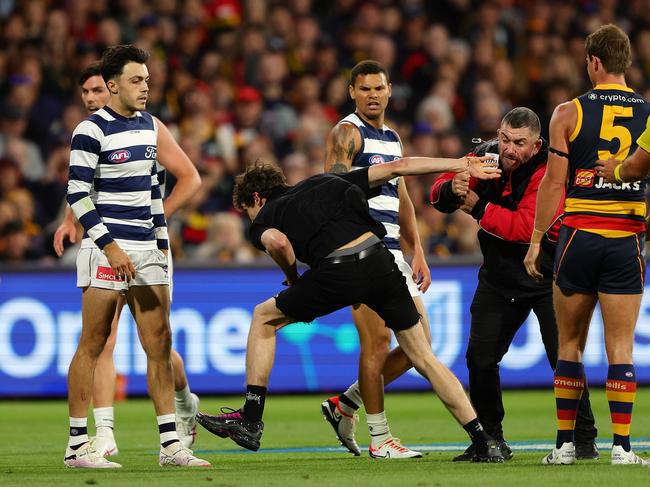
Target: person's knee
<point>93,342</point>
<point>157,343</point>
<point>260,313</point>
<point>375,347</point>
<point>478,360</point>
<point>265,313</point>
<point>422,362</point>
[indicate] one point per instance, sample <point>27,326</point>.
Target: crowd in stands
<point>238,80</point>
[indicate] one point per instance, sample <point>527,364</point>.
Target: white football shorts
<point>407,271</point>
<point>93,269</point>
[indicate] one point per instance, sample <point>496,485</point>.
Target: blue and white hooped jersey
<point>113,185</point>
<point>379,146</point>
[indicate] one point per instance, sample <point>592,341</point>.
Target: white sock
<point>78,432</point>
<point>104,420</point>
<point>167,429</point>
<point>183,400</point>
<point>378,427</point>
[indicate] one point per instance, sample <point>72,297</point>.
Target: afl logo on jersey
<point>119,156</point>
<point>376,159</point>
<point>592,96</point>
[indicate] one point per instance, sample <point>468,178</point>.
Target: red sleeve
<point>434,194</point>
<point>517,225</point>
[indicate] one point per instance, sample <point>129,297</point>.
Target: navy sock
<point>254,406</point>
<point>476,432</point>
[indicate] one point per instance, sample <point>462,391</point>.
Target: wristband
<point>537,236</point>
<point>617,173</point>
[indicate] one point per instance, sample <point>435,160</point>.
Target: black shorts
<point>590,263</point>
<point>374,281</point>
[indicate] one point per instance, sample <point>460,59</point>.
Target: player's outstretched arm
<point>280,249</point>
<point>413,166</point>
<point>174,159</point>
<point>343,143</point>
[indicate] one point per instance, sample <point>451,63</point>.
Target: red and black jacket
<point>505,212</point>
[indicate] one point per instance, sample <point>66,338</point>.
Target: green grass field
<point>294,447</point>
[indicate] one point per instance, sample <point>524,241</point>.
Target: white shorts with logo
<point>93,269</point>
<point>407,271</point>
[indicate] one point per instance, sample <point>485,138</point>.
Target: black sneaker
<point>467,455</point>
<point>587,450</point>
<point>231,424</point>
<point>488,452</point>
<point>506,451</point>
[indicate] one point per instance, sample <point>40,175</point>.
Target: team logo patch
<point>106,274</point>
<point>584,178</point>
<point>376,159</point>
<point>122,155</point>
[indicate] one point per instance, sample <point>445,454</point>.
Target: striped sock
<point>352,397</point>
<point>78,432</point>
<point>167,429</point>
<point>620,391</point>
<point>347,406</point>
<point>569,382</point>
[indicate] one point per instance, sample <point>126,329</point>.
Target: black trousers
<point>495,320</point>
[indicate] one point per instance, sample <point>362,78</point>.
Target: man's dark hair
<point>367,67</point>
<point>116,57</point>
<point>612,46</point>
<point>523,117</point>
<point>260,177</point>
<point>93,69</point>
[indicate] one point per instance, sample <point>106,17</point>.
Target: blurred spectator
<point>226,241</point>
<point>13,124</point>
<point>238,80</point>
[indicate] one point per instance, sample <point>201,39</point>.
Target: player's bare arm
<point>68,229</point>
<point>409,234</point>
<point>280,249</point>
<point>120,261</point>
<point>563,123</point>
<point>413,166</point>
<point>173,159</point>
<point>634,168</point>
<point>343,143</point>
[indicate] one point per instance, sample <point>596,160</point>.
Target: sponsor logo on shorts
<point>376,159</point>
<point>121,155</point>
<point>106,274</point>
<point>584,178</point>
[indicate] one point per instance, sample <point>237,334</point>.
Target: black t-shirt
<point>319,214</point>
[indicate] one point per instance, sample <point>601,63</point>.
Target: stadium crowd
<point>238,80</point>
